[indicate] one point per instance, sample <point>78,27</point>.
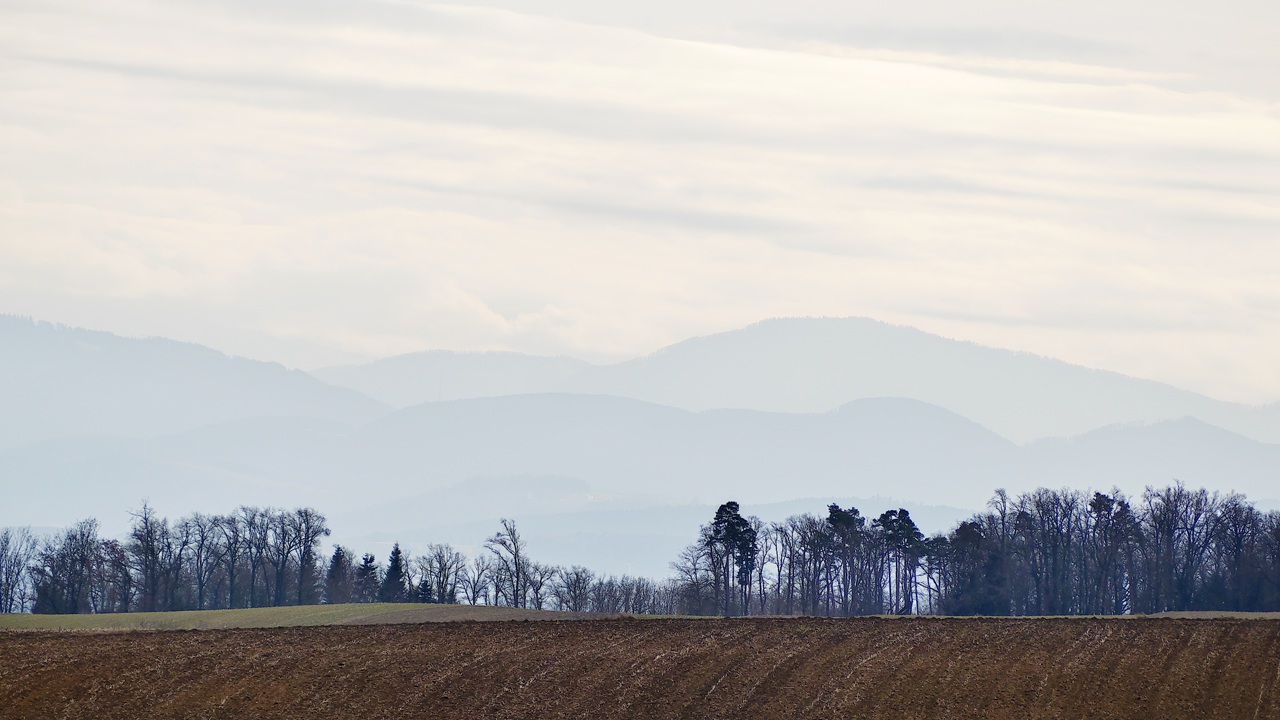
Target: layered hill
<point>628,479</point>
<point>102,422</point>
<point>809,365</point>
<point>57,382</point>
<point>438,375</point>
<point>613,446</point>
<point>623,444</point>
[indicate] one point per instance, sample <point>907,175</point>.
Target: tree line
<point>252,557</point>
<point>262,557</point>
<point>1045,552</point>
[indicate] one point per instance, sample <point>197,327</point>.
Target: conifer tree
<point>339,581</point>
<point>395,586</point>
<point>366,585</point>
<point>731,539</point>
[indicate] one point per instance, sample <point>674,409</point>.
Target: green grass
<point>204,619</point>
<point>311,615</point>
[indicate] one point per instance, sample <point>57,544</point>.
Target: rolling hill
<point>406,380</point>
<point>594,472</point>
<point>614,481</point>
<point>58,382</point>
<point>812,365</point>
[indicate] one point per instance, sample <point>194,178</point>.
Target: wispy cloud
<point>323,181</point>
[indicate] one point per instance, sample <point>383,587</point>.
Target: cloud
<point>322,182</point>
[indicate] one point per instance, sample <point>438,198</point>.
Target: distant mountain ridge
<point>808,365</point>
<point>92,424</point>
<point>57,381</point>
<point>623,449</point>
<point>439,375</point>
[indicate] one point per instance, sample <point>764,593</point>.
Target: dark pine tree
<point>339,581</point>
<point>395,585</point>
<point>737,542</point>
<point>366,584</point>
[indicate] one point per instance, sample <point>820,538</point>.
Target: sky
<point>318,182</point>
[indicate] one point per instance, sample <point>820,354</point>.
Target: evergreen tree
<point>366,584</point>
<point>905,544</point>
<point>339,581</point>
<point>395,586</point>
<point>732,541</point>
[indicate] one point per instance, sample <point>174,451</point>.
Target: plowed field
<point>759,668</point>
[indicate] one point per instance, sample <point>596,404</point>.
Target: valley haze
<point>613,466</point>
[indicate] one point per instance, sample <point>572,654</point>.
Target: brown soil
<point>759,668</point>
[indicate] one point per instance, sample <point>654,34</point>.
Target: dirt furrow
<point>758,668</point>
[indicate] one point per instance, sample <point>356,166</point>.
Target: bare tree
<point>117,582</point>
<point>17,552</point>
<point>510,561</point>
<point>256,529</point>
<point>441,569</point>
<point>64,569</point>
<point>307,527</point>
<point>175,544</point>
<point>1178,529</point>
<point>147,538</point>
<point>234,546</point>
<point>206,552</point>
<point>281,543</point>
<point>476,580</point>
<point>573,591</point>
<point>539,579</point>
<point>694,570</point>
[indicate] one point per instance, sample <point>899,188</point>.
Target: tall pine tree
<point>395,584</point>
<point>366,585</point>
<point>339,581</point>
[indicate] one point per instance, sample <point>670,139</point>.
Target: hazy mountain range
<point>57,382</point>
<point>617,465</point>
<point>807,365</point>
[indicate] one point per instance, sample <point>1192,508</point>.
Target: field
<point>758,668</point>
<point>305,615</point>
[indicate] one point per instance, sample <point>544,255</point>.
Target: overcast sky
<point>319,182</point>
